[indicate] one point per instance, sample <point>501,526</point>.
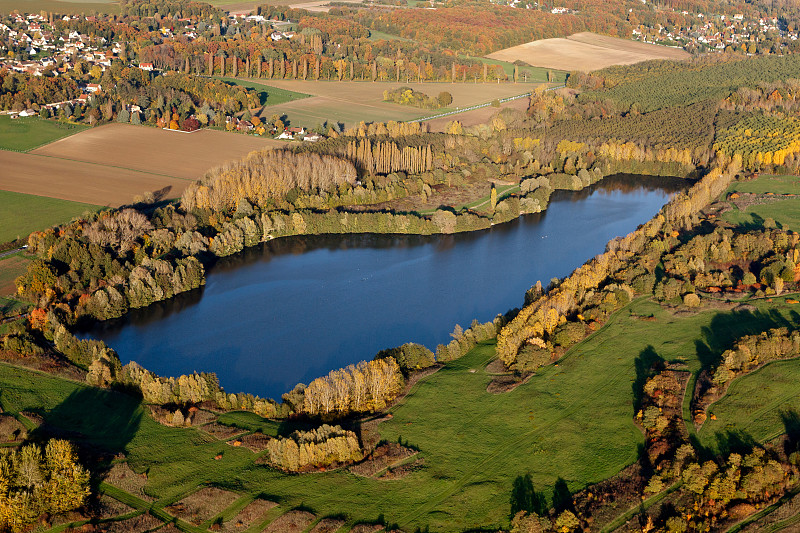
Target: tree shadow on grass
<point>791,423</point>
<point>525,498</point>
<point>647,364</point>
<point>99,422</point>
<point>726,328</point>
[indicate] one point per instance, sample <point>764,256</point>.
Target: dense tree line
<point>365,387</point>
<point>33,483</point>
<point>539,319</point>
<point>321,447</point>
<point>263,179</point>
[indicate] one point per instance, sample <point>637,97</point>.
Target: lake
<point>292,309</point>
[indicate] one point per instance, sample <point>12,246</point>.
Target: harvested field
<point>202,505</point>
<point>123,477</point>
<point>382,458</point>
<point>256,442</point>
<point>366,528</point>
<point>221,431</point>
<point>255,510</point>
<point>350,102</point>
<point>169,153</point>
<point>327,525</point>
<point>586,51</point>
<point>108,507</point>
<point>137,524</point>
<point>80,182</point>
<point>291,522</point>
<point>11,430</point>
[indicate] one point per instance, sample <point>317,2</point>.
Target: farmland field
<point>67,6</point>
<point>80,182</point>
<point>585,51</point>
<point>351,101</point>
<point>27,133</point>
<point>14,219</point>
<point>177,155</point>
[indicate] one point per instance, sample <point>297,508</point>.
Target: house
<point>146,66</point>
<point>244,125</point>
<point>313,137</point>
<point>27,113</point>
<point>93,87</point>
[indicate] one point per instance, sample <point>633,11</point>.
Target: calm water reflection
<point>293,309</point>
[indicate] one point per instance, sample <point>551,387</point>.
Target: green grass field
<point>573,420</point>
<point>786,212</point>
<point>755,404</point>
<point>267,94</point>
<point>25,134</point>
<point>375,35</point>
<point>23,213</point>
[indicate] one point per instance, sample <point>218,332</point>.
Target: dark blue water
<point>293,309</point>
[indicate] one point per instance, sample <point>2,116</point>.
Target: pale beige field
<point>81,182</point>
<point>586,51</point>
<point>350,102</point>
<point>156,151</point>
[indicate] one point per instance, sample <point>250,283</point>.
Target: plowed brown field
<point>111,164</point>
<point>172,153</point>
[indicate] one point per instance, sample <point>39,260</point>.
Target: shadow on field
<point>99,422</point>
<point>647,364</point>
<point>727,442</point>
<point>791,422</point>
<point>525,498</point>
<point>726,328</point>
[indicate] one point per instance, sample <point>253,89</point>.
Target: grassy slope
<point>24,134</point>
<point>23,213</point>
<point>267,94</point>
<point>573,421</point>
<point>785,212</point>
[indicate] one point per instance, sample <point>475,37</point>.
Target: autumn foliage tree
<point>32,484</point>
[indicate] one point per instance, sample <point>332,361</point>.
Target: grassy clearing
<point>786,212</point>
<point>375,35</point>
<point>23,213</point>
<point>267,94</point>
<point>755,405</point>
<point>573,420</point>
<point>26,133</point>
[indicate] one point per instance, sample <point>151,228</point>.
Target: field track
<point>586,51</point>
<point>151,150</point>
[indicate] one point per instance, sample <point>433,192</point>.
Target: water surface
<point>293,309</point>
